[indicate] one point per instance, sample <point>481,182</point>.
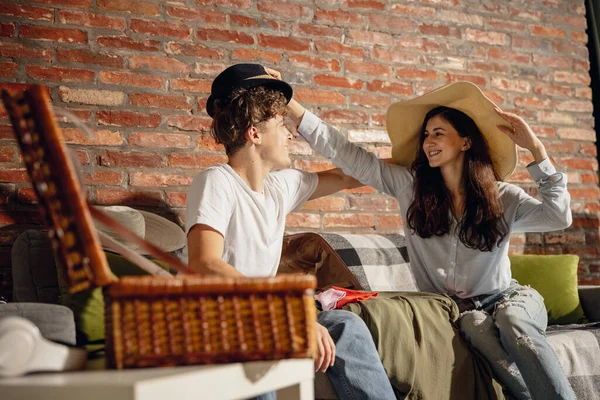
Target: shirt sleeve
<point>553,212</point>
<point>353,159</point>
<point>297,186</point>
<point>209,201</point>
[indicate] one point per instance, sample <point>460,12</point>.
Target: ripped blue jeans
<point>509,330</point>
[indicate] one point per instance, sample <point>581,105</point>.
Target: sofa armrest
<point>590,301</point>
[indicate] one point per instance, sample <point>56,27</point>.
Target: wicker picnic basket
<point>156,320</point>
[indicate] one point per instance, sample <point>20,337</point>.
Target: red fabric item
<point>353,296</point>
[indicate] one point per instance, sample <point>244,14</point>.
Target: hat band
<point>259,77</point>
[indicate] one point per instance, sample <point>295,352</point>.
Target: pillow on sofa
<point>88,305</point>
<point>555,277</point>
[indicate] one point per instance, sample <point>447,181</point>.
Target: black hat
<point>243,76</point>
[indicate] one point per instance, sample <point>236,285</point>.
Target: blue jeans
<point>357,372</point>
<point>509,330</point>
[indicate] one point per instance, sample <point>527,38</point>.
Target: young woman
<point>458,215</point>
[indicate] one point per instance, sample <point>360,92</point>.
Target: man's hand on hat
<point>274,73</point>
<point>521,133</point>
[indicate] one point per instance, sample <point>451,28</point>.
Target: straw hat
<point>405,118</point>
<point>161,232</point>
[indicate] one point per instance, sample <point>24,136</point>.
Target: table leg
<point>301,391</point>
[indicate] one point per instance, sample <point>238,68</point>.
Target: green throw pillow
<point>555,277</point>
<point>88,306</point>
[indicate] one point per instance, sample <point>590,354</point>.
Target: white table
<point>292,379</point>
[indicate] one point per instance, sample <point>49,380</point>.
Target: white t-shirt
<point>252,224</point>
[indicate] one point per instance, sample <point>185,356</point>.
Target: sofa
<point>369,262</point>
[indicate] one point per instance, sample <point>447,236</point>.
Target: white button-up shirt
<point>443,263</point>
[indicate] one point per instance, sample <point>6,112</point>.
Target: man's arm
<point>205,247</point>
<point>332,181</point>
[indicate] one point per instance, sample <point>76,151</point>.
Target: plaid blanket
<point>379,262</point>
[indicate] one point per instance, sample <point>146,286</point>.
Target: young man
<point>235,215</point>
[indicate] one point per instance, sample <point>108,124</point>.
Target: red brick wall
<point>139,73</point>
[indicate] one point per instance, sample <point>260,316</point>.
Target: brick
<point>581,37</point>
<point>7,154</point>
<point>511,85</point>
<point>253,55</point>
<point>589,193</point>
<point>165,64</point>
<point>556,118</point>
<point>391,24</point>
<point>209,69</point>
<point>396,88</point>
<point>130,6</point>
<point>192,49</point>
<point>589,149</point>
<point>370,38</point>
<point>434,30</point>
<point>329,203</point>
<point>309,62</point>
<point>364,68</point>
<point>26,196</point>
<point>561,147</point>
<point>582,66</point>
<point>186,160</point>
<point>320,30</point>
<point>284,43</point>
<point>131,198</point>
<point>7,30</point>
<point>572,78</point>
<point>13,175</point>
<point>90,96</point>
<point>368,203</point>
<point>207,142</point>
<point>488,37</point>
<point>577,134</point>
<point>226,3</point>
<point>287,10</point>
<point>533,102</point>
<point>84,56</point>
<point>128,118</point>
<point>312,96</point>
<point>461,18</point>
<point>476,79</point>
<point>578,22</point>
<point>70,3</point>
<point>348,220</point>
<point>565,47</point>
<point>340,18</point>
<point>487,66</point>
<point>201,15</point>
<point>160,28</point>
<point>579,163</point>
<point>444,62</point>
<point>504,25</point>
<point>389,221</point>
<point>156,179</point>
<point>127,43</point>
<point>60,35</point>
<point>303,220</point>
<point>243,21</point>
<point>130,159</point>
<point>159,101</point>
<point>368,4</point>
<point>417,74</point>
<point>59,74</point>
<point>112,178</point>
<point>19,51</point>
<point>84,115</point>
<point>575,106</point>
<point>100,138</point>
<point>29,12</point>
<point>92,20</point>
<point>189,123</point>
<point>510,56</point>
<point>337,81</point>
<point>8,69</point>
<point>555,62</point>
<point>176,199</point>
<point>426,13</point>
<point>162,140</point>
<point>552,90</point>
<point>345,117</point>
<point>528,43</point>
<point>548,31</point>
<point>191,85</point>
<point>338,49</point>
<point>224,36</point>
<point>132,79</point>
<point>590,178</point>
<point>519,13</point>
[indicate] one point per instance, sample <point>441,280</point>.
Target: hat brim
<point>164,234</point>
<point>270,83</point>
<point>404,120</point>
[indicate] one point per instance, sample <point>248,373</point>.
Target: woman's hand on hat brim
<point>522,134</point>
<point>274,73</point>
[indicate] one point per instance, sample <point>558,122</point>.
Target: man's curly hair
<point>245,108</point>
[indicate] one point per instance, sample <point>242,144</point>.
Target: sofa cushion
<point>555,277</point>
<point>54,321</point>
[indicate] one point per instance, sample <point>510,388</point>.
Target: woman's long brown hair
<point>482,226</point>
